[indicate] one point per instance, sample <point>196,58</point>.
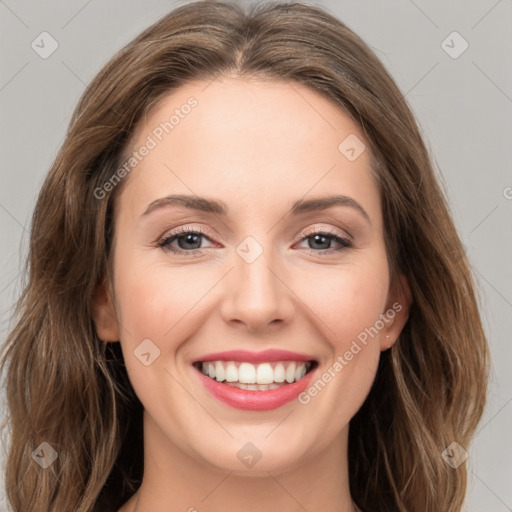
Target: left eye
<point>189,241</point>
<point>323,238</point>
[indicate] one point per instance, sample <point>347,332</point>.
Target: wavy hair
<point>66,387</point>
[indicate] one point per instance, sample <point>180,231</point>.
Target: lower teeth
<point>254,387</point>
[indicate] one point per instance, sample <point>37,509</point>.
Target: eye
<point>324,239</point>
<point>188,240</point>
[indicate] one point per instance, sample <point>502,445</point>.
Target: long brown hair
<point>66,387</point>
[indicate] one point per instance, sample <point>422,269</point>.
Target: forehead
<point>251,144</point>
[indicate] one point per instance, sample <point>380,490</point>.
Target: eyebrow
<point>219,208</point>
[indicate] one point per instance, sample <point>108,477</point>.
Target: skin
<point>258,147</point>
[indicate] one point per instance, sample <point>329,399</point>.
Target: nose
<point>257,295</point>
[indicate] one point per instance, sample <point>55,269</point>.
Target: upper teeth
<point>248,373</point>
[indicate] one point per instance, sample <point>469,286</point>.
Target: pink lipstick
<point>255,381</point>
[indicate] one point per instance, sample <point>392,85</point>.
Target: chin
<point>257,454</point>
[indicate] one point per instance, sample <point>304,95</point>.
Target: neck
<point>176,481</point>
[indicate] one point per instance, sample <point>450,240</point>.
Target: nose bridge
<point>256,294</point>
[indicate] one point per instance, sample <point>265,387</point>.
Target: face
<point>263,270</point>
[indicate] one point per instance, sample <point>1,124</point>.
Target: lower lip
<point>255,400</point>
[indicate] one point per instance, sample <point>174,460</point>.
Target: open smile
<point>255,386</point>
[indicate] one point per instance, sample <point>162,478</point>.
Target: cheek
<point>154,309</point>
<point>349,298</point>
<point>160,303</point>
<point>349,301</point>
<point>153,299</point>
<point>150,305</point>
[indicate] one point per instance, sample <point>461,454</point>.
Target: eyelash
<point>164,243</point>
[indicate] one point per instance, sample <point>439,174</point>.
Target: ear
<point>104,314</point>
<point>396,313</point>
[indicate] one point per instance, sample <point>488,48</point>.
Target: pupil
<point>190,239</point>
<point>321,237</point>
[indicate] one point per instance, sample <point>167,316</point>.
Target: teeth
<point>261,376</point>
<point>300,371</point>
<point>264,374</point>
<point>231,372</point>
<point>290,373</point>
<point>254,387</point>
<point>279,373</point>
<point>247,374</point>
<point>220,373</point>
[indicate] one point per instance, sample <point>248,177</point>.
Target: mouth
<point>255,380</point>
<point>264,376</point>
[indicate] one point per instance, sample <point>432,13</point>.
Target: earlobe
<point>104,315</point>
<point>397,311</point>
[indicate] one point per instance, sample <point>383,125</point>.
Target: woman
<point>148,375</point>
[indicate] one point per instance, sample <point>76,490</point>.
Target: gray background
<point>463,106</point>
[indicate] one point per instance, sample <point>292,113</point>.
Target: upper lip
<point>262,356</point>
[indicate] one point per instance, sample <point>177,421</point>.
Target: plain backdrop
<point>462,100</point>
